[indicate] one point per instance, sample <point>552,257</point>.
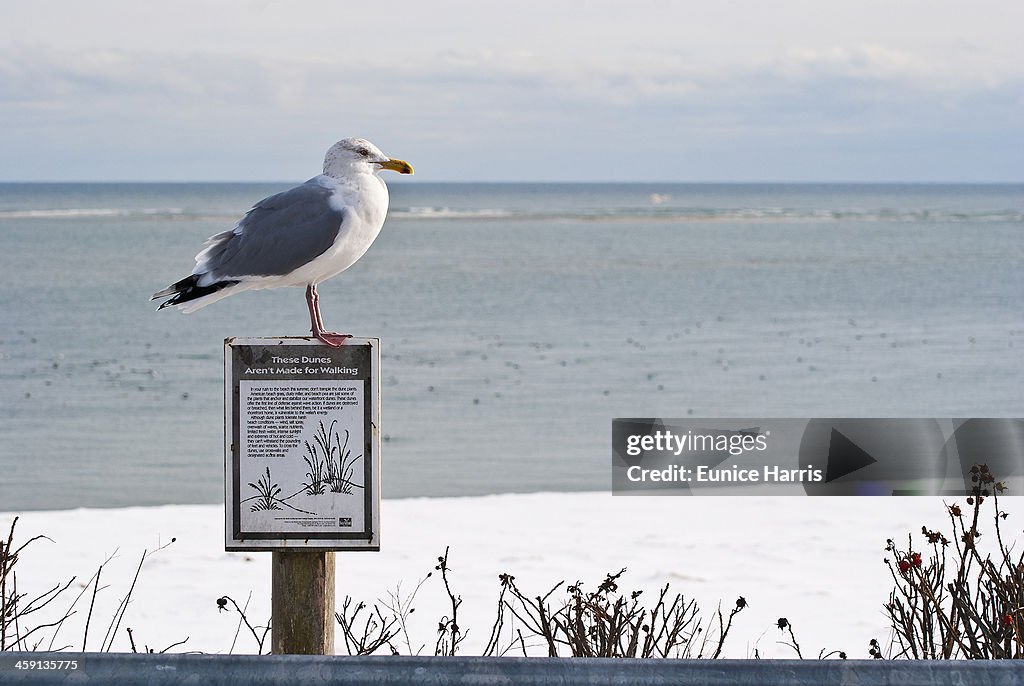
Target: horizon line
<point>404,182</point>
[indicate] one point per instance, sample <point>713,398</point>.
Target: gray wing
<point>277,236</point>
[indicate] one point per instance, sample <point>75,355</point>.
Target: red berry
<point>916,559</point>
<point>904,566</point>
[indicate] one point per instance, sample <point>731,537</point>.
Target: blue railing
<point>114,669</point>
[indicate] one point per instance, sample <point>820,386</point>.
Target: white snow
<point>815,561</point>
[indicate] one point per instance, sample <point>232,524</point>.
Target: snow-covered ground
<point>816,561</point>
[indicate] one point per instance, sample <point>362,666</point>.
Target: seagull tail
<point>188,290</point>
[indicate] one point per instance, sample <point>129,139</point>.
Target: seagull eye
<point>364,152</point>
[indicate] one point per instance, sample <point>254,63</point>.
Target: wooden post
<point>302,603</point>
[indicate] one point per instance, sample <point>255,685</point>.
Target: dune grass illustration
<point>267,493</point>
<point>330,462</point>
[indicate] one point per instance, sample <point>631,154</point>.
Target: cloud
<point>859,61</point>
<point>183,105</point>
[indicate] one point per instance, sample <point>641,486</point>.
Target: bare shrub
<point>954,597</point>
<point>19,629</point>
<point>605,622</point>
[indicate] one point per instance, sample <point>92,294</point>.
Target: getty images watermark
<point>712,443</point>
<point>810,456</point>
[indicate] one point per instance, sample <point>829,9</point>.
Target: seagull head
<point>353,155</point>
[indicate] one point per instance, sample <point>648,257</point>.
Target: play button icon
<point>874,456</point>
<point>844,457</point>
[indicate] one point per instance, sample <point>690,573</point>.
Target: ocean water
<point>516,321</point>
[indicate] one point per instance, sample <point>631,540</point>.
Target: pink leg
<point>331,338</point>
<point>313,302</point>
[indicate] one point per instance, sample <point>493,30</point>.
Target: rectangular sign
<point>302,444</point>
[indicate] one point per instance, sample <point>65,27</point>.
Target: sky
<point>789,90</point>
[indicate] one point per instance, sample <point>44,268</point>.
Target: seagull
<point>299,237</point>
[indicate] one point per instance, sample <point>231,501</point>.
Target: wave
<point>76,213</point>
<point>741,215</point>
<point>657,213</point>
<point>449,213</point>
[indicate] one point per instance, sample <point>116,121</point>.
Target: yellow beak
<point>400,166</point>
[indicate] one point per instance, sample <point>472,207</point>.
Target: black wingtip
<point>188,289</point>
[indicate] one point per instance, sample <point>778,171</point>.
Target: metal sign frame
<point>273,391</point>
